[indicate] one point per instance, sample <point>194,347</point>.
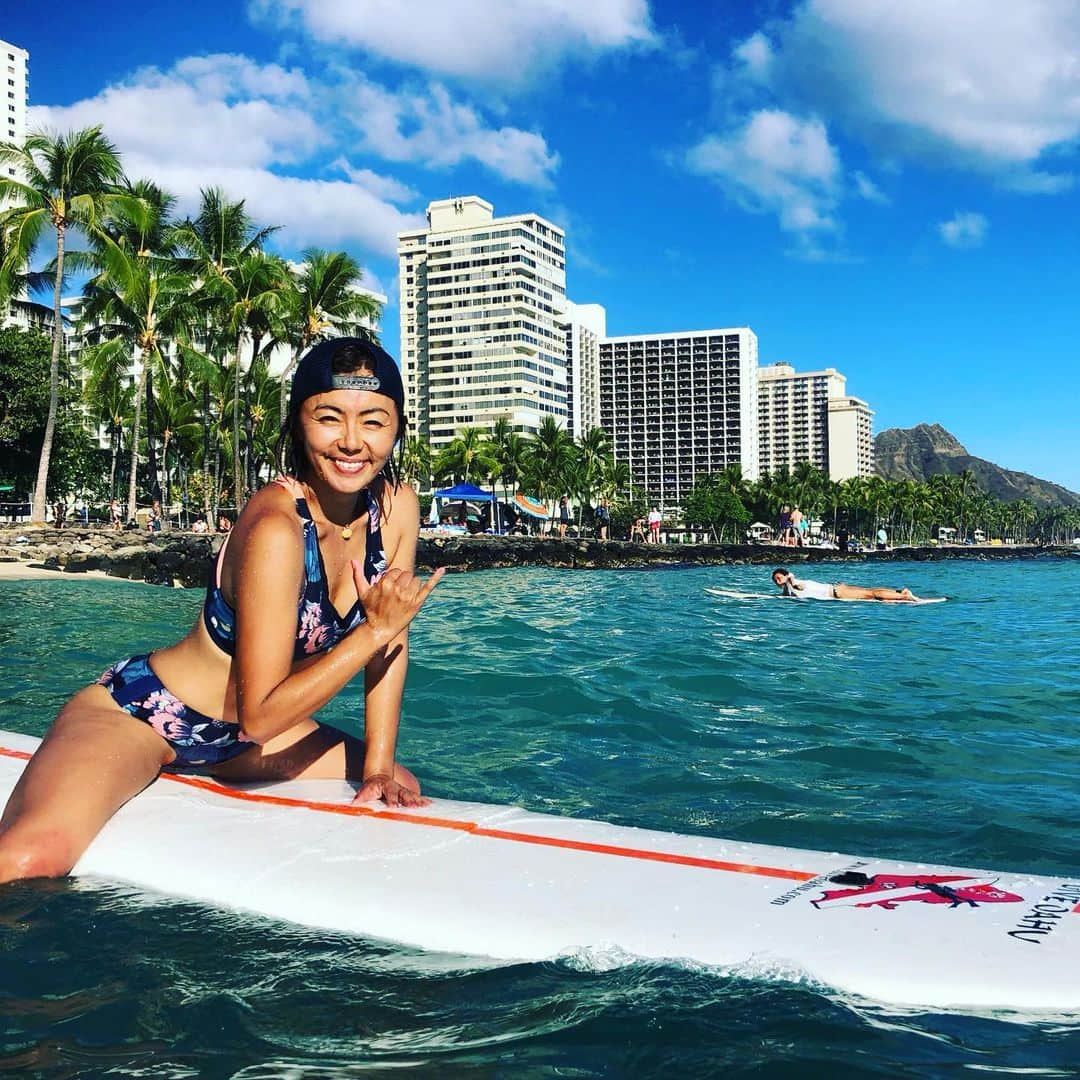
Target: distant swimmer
<point>805,589</point>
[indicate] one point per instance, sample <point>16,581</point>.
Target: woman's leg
<point>857,592</point>
<point>307,751</point>
<point>94,758</point>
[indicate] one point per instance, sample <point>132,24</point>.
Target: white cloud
<point>964,230</point>
<point>867,189</point>
<point>268,134</point>
<point>383,187</point>
<point>776,163</point>
<point>427,125</point>
<point>992,86</point>
<point>755,55</point>
<point>201,110</point>
<point>506,42</point>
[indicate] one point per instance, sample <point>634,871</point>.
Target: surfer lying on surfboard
<point>805,589</point>
<point>235,697</point>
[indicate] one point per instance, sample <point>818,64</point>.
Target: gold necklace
<point>346,530</point>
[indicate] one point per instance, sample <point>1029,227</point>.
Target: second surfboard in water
<point>735,594</point>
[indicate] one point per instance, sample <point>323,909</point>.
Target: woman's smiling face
<point>348,435</point>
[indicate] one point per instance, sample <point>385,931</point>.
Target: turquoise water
<point>947,733</point>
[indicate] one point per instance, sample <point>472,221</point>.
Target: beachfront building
<point>851,438</point>
<point>584,325</point>
<point>797,422</point>
<point>679,406</point>
<point>480,301</point>
<point>14,62</point>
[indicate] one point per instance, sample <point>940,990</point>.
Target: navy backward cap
<point>315,373</point>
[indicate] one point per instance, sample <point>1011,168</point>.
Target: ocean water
<point>947,733</point>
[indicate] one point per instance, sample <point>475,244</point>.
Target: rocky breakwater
<point>491,552</point>
<point>184,559</point>
<point>167,558</point>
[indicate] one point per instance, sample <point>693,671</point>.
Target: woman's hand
<point>393,601</point>
<point>381,786</point>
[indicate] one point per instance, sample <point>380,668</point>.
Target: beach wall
<point>184,559</point>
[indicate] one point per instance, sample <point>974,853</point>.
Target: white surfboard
<point>736,594</point>
<point>500,882</point>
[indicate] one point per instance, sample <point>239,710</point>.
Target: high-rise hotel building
<point>584,325</point>
<point>679,406</point>
<point>14,62</point>
<point>809,417</point>
<point>481,338</point>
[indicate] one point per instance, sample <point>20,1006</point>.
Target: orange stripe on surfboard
<point>470,827</point>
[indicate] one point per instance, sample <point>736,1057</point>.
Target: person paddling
<point>805,589</point>
<point>313,584</point>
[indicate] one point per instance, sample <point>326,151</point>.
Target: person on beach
<point>153,521</point>
<point>805,589</point>
<point>313,584</point>
<point>637,530</point>
<point>116,515</point>
<point>797,527</point>
<point>783,532</point>
<point>603,520</point>
<point>564,516</point>
<point>655,520</point>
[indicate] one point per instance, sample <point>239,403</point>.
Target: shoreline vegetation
<point>184,559</point>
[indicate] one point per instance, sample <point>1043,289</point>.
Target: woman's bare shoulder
<point>271,514</point>
<point>401,509</point>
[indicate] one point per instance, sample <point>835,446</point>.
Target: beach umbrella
<point>533,507</point>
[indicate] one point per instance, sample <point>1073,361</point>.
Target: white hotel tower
<point>808,416</point>
<point>13,62</point>
<point>679,406</point>
<point>480,333</point>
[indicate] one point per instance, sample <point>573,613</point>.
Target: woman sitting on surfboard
<point>314,583</point>
<point>805,589</point>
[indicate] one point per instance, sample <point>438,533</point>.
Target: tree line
<point>198,302</point>
<point>911,511</point>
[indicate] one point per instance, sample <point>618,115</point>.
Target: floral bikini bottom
<point>197,739</point>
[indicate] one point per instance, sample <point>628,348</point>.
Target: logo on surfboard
<point>888,890</point>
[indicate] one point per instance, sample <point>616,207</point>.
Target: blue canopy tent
<point>465,492</point>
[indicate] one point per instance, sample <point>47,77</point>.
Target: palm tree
<point>110,403</point>
<point>511,462</point>
<point>615,479</point>
<point>214,242</point>
<point>139,304</point>
<point>551,454</point>
<point>322,299</point>
<point>67,180</point>
<point>262,397</point>
<point>592,450</point>
<point>466,456</point>
<point>253,292</point>
<point>416,461</point>
<point>176,418</point>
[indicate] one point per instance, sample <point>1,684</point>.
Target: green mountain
<point>918,453</point>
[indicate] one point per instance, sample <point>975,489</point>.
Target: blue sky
<point>885,189</point>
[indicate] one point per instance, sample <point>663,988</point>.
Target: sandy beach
<point>20,571</point>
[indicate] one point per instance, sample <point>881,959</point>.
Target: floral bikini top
<point>319,627</point>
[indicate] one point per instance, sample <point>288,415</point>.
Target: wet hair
<point>779,570</point>
<point>291,451</point>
